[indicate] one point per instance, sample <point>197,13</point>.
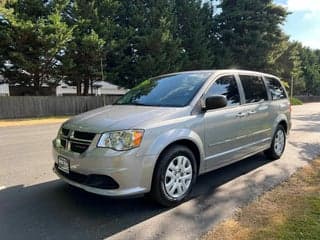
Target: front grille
<point>63,143</point>
<point>65,131</point>
<point>76,141</point>
<point>78,147</point>
<point>84,135</point>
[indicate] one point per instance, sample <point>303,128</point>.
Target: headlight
<point>121,140</point>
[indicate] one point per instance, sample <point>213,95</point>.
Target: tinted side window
<point>276,90</point>
<point>254,88</point>
<point>226,86</point>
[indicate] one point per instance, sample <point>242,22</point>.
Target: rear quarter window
<point>275,88</point>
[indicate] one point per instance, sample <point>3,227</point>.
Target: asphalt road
<point>34,204</point>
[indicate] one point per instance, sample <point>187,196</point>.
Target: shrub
<point>295,101</point>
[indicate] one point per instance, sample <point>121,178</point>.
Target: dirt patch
<point>26,122</point>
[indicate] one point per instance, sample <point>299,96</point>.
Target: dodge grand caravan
<point>170,129</point>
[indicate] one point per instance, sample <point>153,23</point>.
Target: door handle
<point>241,115</point>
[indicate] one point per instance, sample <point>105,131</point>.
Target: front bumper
<point>131,171</point>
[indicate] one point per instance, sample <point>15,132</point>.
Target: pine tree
<point>195,28</point>
<point>247,31</point>
<point>93,36</point>
<point>146,45</point>
<point>33,36</point>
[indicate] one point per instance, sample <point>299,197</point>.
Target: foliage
<point>125,42</point>
<point>296,101</point>
<point>93,26</point>
<point>146,44</point>
<point>248,31</point>
<point>310,66</point>
<point>287,65</point>
<point>195,29</point>
<point>32,38</point>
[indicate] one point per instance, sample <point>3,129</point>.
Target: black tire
<point>158,190</point>
<point>271,153</point>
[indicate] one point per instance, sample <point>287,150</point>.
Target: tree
<point>125,42</point>
<point>33,37</point>
<point>93,35</point>
<point>247,32</point>
<point>285,62</point>
<point>310,69</point>
<point>146,45</point>
<point>195,29</point>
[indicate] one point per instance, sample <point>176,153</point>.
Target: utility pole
<point>291,89</point>
<point>101,69</point>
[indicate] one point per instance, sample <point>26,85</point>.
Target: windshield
<point>169,91</point>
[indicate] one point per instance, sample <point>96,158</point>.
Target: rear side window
<point>275,88</point>
<point>254,88</point>
<point>226,86</point>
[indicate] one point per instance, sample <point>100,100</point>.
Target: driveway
<point>34,204</point>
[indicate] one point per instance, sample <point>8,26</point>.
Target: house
<point>99,88</point>
<point>4,87</point>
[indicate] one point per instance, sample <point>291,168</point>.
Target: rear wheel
<point>174,176</point>
<point>278,144</point>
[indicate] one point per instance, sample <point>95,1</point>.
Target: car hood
<point>118,117</point>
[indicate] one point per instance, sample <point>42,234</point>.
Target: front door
<point>225,128</point>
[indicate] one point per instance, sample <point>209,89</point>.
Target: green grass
<point>302,223</point>
<point>296,101</point>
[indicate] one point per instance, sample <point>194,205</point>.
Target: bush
<point>295,101</point>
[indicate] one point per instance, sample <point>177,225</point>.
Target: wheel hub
<point>178,176</point>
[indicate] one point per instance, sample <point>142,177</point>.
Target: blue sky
<point>304,22</point>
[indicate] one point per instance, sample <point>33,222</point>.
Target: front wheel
<point>174,176</point>
<point>278,144</point>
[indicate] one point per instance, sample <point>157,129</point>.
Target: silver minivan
<point>170,129</point>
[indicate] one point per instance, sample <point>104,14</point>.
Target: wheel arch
<point>283,121</point>
<point>284,124</point>
<point>187,143</point>
<point>182,142</point>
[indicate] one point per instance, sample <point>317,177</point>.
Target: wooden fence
<point>307,99</point>
<point>42,106</point>
<point>31,106</point>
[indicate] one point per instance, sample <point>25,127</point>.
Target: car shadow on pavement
<point>54,210</point>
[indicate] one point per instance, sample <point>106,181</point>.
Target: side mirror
<point>216,101</point>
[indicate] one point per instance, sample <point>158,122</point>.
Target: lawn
<point>290,211</point>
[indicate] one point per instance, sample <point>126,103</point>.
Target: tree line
<point>44,42</point>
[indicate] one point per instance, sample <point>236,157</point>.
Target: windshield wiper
<point>132,103</point>
<point>139,104</point>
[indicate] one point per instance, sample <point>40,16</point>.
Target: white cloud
<point>310,38</point>
<point>305,5</point>
<point>303,24</point>
<point>310,15</point>
<point>314,44</point>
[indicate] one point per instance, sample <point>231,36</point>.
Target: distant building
<point>99,88</point>
<point>4,87</point>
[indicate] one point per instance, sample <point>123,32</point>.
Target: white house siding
<point>100,88</point>
<point>4,89</point>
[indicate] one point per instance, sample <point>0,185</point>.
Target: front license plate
<point>63,164</point>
